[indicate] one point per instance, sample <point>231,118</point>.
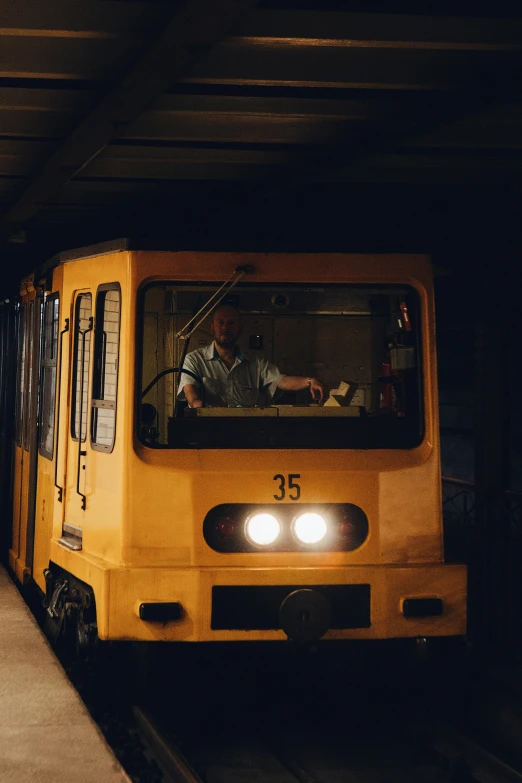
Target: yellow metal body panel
<point>142,525</point>
<point>193,589</point>
<point>44,519</point>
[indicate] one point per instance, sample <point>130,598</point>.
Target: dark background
<point>301,125</point>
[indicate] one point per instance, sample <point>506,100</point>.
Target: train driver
<point>221,374</point>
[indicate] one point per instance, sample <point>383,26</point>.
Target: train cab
<point>265,511</point>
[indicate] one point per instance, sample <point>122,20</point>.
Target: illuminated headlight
<point>310,528</point>
<point>262,529</point>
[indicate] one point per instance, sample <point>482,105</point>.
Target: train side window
<point>28,398</point>
<point>105,378</point>
<point>49,360</point>
<point>20,373</point>
<point>81,365</point>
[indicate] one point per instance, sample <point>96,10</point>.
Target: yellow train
<point>266,517</point>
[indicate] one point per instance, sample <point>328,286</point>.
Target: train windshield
<point>251,374</point>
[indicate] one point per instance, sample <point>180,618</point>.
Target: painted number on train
<point>288,485</point>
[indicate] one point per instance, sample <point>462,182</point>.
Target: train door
<point>18,450</point>
<point>7,398</point>
<point>77,431</point>
<point>49,467</point>
<point>21,552</point>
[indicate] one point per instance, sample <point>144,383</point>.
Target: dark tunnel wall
<point>450,222</point>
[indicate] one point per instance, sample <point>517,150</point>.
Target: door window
<point>105,380</point>
<point>49,359</point>
<point>28,397</point>
<point>20,375</point>
<point>81,365</point>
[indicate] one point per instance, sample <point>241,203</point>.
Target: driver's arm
<point>191,392</point>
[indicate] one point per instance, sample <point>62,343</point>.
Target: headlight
<point>310,528</point>
<point>262,529</point>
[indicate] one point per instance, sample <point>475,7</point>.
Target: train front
<point>261,514</point>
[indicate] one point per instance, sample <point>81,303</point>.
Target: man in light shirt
<point>220,374</point>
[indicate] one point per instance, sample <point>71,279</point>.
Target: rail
<point>169,757</point>
<point>449,755</point>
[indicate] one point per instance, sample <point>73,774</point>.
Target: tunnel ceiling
<point>119,117</point>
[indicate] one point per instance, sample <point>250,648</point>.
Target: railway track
<point>171,761</point>
<point>292,756</point>
<point>300,721</point>
<point>220,724</point>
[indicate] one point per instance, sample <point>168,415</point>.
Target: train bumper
<point>232,604</point>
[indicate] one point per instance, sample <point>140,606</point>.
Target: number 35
<point>291,485</point>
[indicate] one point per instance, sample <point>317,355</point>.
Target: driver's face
<point>225,327</point>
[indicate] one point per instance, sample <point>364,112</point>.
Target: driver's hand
<point>196,404</point>
<point>319,391</point>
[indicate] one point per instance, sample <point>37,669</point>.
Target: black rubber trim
<point>422,607</point>
<point>160,612</point>
<point>256,608</point>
